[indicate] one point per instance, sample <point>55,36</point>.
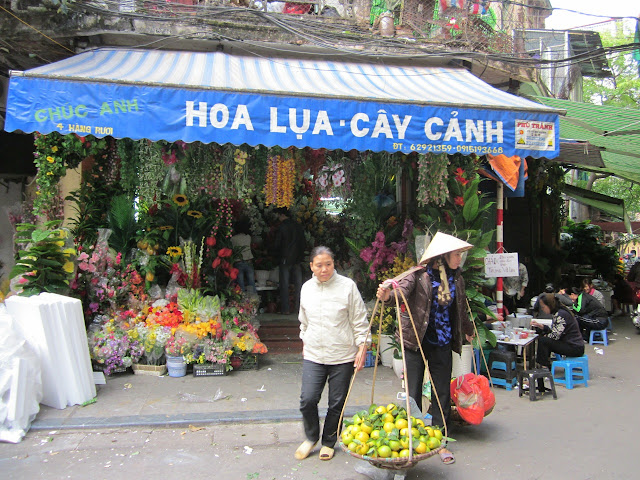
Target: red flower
<point>225,252</point>
<point>153,209</point>
<point>233,273</point>
<point>459,201</point>
<point>216,263</point>
<point>211,241</point>
<point>459,173</point>
<point>447,218</point>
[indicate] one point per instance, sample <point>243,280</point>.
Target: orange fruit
<point>388,427</point>
<point>433,443</point>
<point>384,451</point>
<point>362,436</point>
<point>421,448</point>
<point>401,423</point>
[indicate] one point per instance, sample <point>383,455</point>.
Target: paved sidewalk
<point>269,394</point>
<point>171,427</point>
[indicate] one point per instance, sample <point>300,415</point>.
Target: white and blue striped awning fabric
<point>219,97</point>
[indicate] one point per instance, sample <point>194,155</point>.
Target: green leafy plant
<point>44,264</point>
<point>122,222</point>
<point>463,216</point>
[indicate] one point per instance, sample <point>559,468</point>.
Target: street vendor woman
<point>333,329</point>
<point>435,294</point>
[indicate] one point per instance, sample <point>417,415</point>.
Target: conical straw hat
<point>441,244</point>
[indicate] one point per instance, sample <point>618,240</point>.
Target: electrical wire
<point>338,37</point>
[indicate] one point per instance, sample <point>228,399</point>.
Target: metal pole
<point>499,240</point>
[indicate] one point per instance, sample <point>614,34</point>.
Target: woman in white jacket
<point>333,329</point>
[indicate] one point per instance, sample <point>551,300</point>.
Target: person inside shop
<point>435,293</point>
<point>241,241</point>
<point>514,288</point>
<point>589,312</point>
<point>563,336</point>
<point>333,329</point>
<point>290,245</point>
<point>588,287</point>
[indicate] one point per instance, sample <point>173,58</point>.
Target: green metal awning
<point>614,130</point>
<point>613,207</point>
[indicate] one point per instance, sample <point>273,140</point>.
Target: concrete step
<point>281,335</point>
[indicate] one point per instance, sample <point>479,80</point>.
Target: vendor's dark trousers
<point>548,345</point>
<point>288,274</point>
<point>587,324</point>
<point>314,378</point>
<point>440,364</point>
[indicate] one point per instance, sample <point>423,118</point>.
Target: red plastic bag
<point>467,396</point>
<point>488,397</point>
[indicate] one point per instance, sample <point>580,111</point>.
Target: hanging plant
<point>54,153</point>
<point>432,179</point>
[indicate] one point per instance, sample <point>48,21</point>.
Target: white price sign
<point>501,265</point>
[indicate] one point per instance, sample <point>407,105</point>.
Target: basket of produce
<point>387,437</point>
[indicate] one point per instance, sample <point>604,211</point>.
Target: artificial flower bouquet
<point>210,351</point>
<point>178,346</point>
<point>111,346</point>
<point>153,339</point>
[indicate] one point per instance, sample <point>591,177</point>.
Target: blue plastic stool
<point>503,382</point>
<point>574,373</point>
<point>601,337</point>
<point>583,361</point>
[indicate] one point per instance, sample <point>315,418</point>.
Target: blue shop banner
<point>165,113</point>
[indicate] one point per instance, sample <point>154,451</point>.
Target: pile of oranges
<point>387,432</point>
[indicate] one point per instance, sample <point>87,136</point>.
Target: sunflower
<point>180,200</point>
<point>174,251</point>
<point>194,213</point>
<point>165,227</point>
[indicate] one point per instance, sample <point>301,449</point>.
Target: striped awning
<point>218,97</point>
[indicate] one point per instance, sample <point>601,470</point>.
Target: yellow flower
<point>240,157</point>
<point>49,173</point>
<point>60,243</point>
<point>174,251</point>
<point>166,227</point>
<point>54,149</point>
<point>68,267</point>
<point>51,159</point>
<point>194,213</point>
<point>180,200</point>
<point>69,251</point>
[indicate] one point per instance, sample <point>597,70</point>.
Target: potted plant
<point>396,351</point>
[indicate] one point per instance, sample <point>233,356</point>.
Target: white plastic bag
<point>20,382</point>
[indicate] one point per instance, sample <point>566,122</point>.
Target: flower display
<point>153,339</point>
<point>210,351</point>
<point>279,184</point>
<point>111,346</point>
<point>177,346</point>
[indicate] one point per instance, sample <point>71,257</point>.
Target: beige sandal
<point>304,449</point>
<point>326,453</point>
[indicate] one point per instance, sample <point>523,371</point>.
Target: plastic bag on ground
<point>20,382</point>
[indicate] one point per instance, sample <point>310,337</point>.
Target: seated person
<point>563,337</point>
<point>623,293</point>
<point>590,313</point>
<point>587,286</point>
<point>560,295</point>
